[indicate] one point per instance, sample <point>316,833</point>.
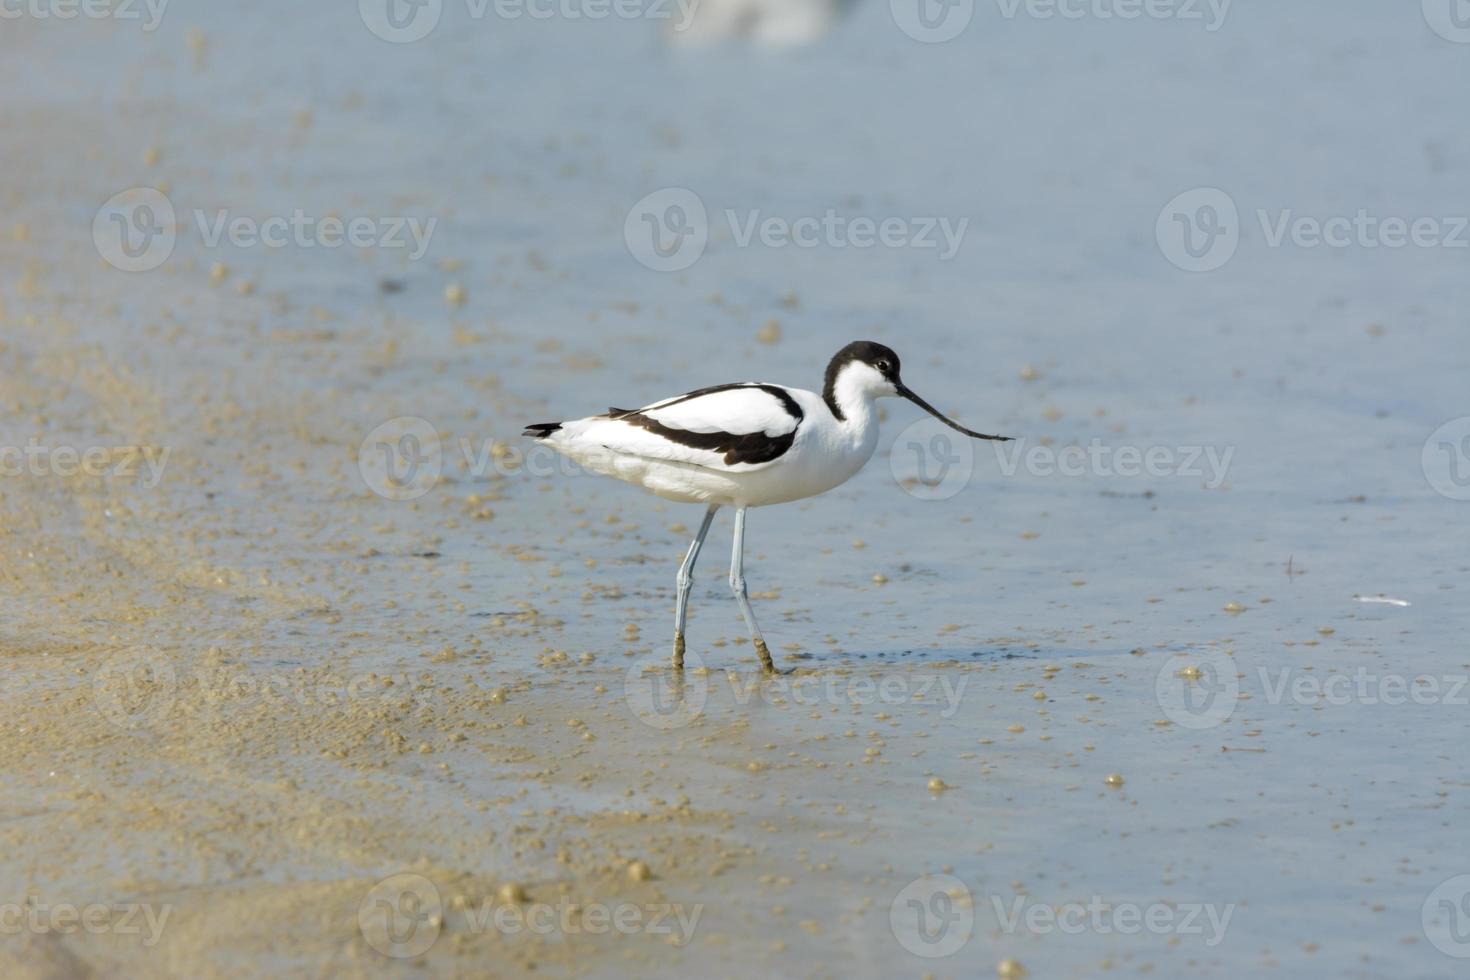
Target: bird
<point>771,23</point>
<point>743,445</point>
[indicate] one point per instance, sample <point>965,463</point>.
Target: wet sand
<point>274,721</point>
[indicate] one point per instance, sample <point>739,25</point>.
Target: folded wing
<point>732,427</point>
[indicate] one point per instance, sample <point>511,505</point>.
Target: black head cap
<point>881,358</point>
<point>885,362</point>
<point>869,352</point>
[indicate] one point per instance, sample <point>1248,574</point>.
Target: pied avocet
<point>743,445</point>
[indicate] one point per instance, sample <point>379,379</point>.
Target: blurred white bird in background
<point>774,23</point>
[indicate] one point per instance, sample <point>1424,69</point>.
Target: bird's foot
<point>678,651</point>
<point>766,663</point>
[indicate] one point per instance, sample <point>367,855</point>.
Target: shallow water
<point>1289,396</point>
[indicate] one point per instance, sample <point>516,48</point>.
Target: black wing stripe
<point>780,394</point>
<point>750,447</point>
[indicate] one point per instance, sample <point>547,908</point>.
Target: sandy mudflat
<point>264,720</point>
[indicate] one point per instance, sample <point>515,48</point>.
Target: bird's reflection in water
<point>673,690</point>
<point>774,23</point>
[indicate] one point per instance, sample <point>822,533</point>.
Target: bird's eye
<point>883,366</point>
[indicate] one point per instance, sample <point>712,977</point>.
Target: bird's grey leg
<point>737,586</point>
<point>684,581</point>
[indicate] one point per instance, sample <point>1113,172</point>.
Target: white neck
<point>854,394</point>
